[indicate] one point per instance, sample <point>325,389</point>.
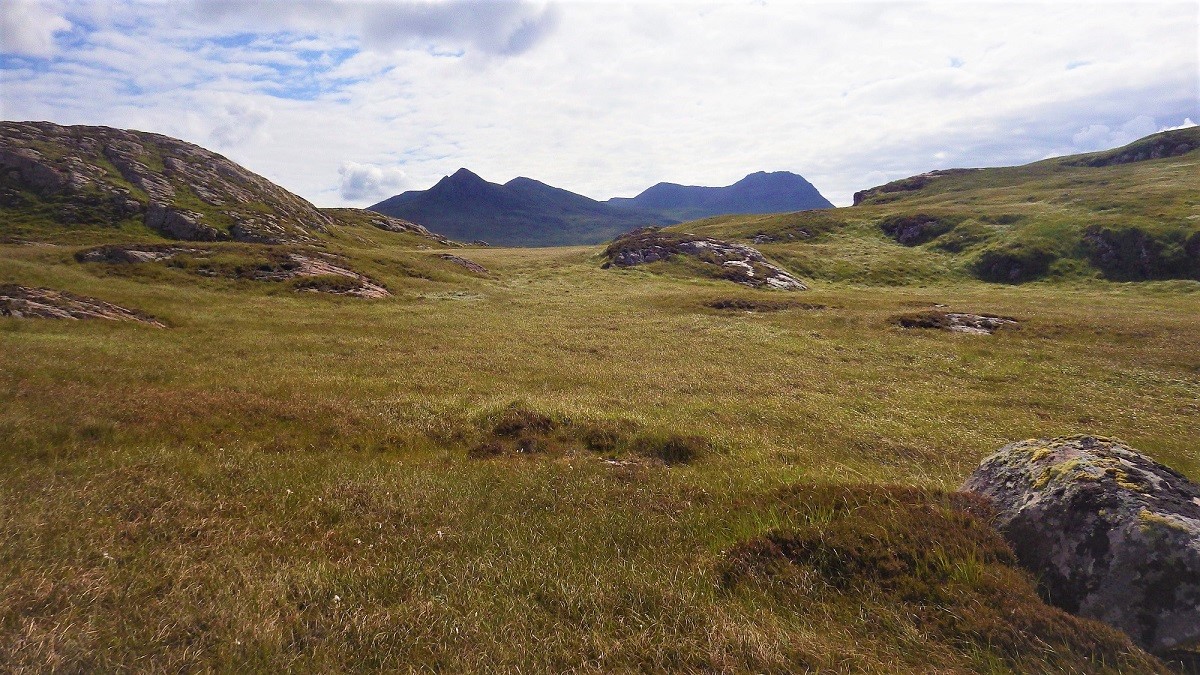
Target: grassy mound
<point>922,563</point>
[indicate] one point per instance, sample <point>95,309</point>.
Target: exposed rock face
<point>46,303</point>
<point>472,267</point>
<point>957,322</point>
<point>1132,254</point>
<point>1112,534</point>
<point>320,272</point>
<point>317,268</point>
<point>400,225</point>
<point>915,229</point>
<point>118,255</point>
<point>736,262</point>
<point>100,176</point>
<point>1167,144</point>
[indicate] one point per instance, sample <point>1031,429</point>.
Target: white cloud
<point>27,27</point>
<point>367,181</point>
<point>606,99</point>
<point>239,122</point>
<point>1187,124</point>
<point>1101,137</point>
<point>502,27</point>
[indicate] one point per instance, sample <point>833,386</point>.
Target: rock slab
<point>1111,534</point>
<point>24,302</point>
<point>736,262</point>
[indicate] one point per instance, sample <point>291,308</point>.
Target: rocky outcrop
<point>100,176</point>
<point>956,322</point>
<point>126,255</point>
<point>45,303</point>
<point>915,229</point>
<point>1111,534</point>
<point>736,262</point>
<point>309,271</point>
<point>1135,254</point>
<point>472,267</point>
<point>327,276</point>
<point>1166,144</point>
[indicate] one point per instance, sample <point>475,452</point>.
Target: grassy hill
<point>554,467</point>
<point>1124,215</point>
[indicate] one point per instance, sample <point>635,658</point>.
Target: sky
<point>347,102</point>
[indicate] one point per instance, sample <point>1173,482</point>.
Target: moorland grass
<point>284,481</point>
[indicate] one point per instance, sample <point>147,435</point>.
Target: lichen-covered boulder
<point>1111,534</point>
<point>727,260</point>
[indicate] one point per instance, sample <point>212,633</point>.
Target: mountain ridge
<point>757,193</point>
<point>525,211</point>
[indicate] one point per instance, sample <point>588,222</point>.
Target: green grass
<point>1010,225</point>
<point>286,480</point>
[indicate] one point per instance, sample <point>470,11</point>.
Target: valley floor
<point>282,480</point>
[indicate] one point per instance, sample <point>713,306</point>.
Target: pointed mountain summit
<point>761,192</point>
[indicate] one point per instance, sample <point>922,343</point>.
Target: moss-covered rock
<point>1111,534</point>
<point>721,259</point>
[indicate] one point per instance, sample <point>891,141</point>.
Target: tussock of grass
<point>518,430</point>
<point>930,560</point>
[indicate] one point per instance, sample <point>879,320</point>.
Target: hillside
<point>761,192</point>
<point>91,177</point>
<point>1128,214</point>
<point>80,184</point>
<point>521,212</point>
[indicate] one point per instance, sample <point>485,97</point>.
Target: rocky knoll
<point>45,303</point>
<point>89,175</point>
<point>736,262</point>
<point>956,322</point>
<point>308,270</point>
<point>1111,534</point>
<point>1164,144</point>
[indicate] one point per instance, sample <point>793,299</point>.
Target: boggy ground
<point>287,480</point>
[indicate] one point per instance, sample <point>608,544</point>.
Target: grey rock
<point>24,302</point>
<point>181,224</point>
<point>1111,534</point>
<point>473,267</point>
<point>737,262</point>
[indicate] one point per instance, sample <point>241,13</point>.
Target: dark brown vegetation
<point>931,558</point>
<point>518,430</point>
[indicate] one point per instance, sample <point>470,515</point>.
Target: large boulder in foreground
<point>1112,534</point>
<point>723,259</point>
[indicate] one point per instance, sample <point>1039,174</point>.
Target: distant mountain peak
<point>463,176</point>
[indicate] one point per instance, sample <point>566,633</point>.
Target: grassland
<point>292,481</point>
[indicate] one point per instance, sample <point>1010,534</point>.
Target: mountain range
<point>521,212</point>
<point>526,212</point>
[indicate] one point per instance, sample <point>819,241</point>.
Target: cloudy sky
<point>347,102</point>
